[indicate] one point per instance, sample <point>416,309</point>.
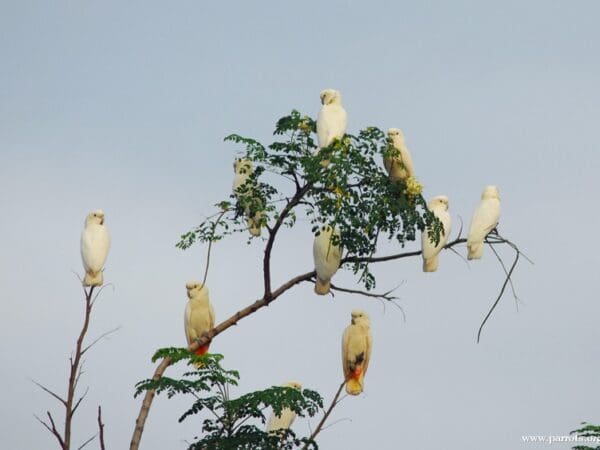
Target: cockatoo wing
<point>190,335</point>
<point>430,250</point>
<point>284,421</point>
<point>95,243</point>
<point>331,123</point>
<point>327,257</point>
<point>407,160</point>
<point>484,220</point>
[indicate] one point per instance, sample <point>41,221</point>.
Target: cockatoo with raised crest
<point>356,351</point>
<point>327,257</point>
<point>439,207</point>
<point>332,119</point>
<point>199,315</point>
<point>287,416</point>
<point>400,165</point>
<point>243,170</point>
<point>94,246</point>
<point>484,220</point>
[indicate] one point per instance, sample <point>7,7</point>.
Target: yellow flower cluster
<point>413,187</point>
<point>304,125</point>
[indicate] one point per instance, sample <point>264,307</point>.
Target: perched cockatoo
<point>356,351</point>
<point>94,245</point>
<point>332,119</point>
<point>243,170</point>
<point>439,207</point>
<point>400,166</point>
<point>199,315</point>
<point>327,257</point>
<point>287,416</point>
<point>484,220</point>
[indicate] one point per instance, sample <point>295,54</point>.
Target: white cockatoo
<point>356,351</point>
<point>327,257</point>
<point>484,220</point>
<point>287,416</point>
<point>439,207</point>
<point>94,245</point>
<point>199,315</point>
<point>399,166</point>
<point>332,119</point>
<point>243,170</point>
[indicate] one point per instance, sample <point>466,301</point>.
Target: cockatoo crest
<point>396,133</point>
<point>360,317</point>
<point>96,216</point>
<point>293,384</point>
<point>439,201</point>
<point>195,288</point>
<point>330,97</point>
<point>242,166</point>
<point>490,192</point>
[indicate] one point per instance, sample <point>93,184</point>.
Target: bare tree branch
<point>268,297</point>
<point>52,429</point>
<point>45,389</point>
<point>273,233</point>
<point>101,428</point>
<point>79,401</point>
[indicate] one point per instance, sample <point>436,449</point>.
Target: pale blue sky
<point>124,107</point>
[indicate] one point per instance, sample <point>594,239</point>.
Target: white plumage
<point>287,416</point>
<point>439,207</point>
<point>243,170</point>
<point>400,165</point>
<point>94,246</point>
<point>199,315</point>
<point>356,351</point>
<point>327,257</point>
<point>484,220</point>
<point>332,119</point>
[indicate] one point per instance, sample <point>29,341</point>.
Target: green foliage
<point>591,432</point>
<point>342,185</point>
<point>225,423</point>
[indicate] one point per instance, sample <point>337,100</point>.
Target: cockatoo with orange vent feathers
<point>439,207</point>
<point>332,119</point>
<point>399,166</point>
<point>484,220</point>
<point>327,257</point>
<point>287,416</point>
<point>356,351</point>
<point>94,246</point>
<point>199,314</point>
<point>243,170</point>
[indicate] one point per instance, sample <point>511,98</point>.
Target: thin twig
<point>87,442</point>
<point>102,336</point>
<point>210,242</point>
<point>506,281</point>
<point>512,288</point>
<point>384,296</point>
<point>333,404</point>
